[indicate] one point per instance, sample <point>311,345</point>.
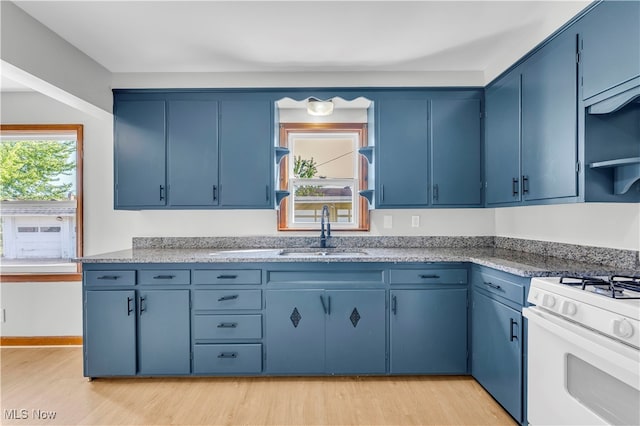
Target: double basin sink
<point>296,252</point>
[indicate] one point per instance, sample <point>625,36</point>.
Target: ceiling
<point>303,36</point>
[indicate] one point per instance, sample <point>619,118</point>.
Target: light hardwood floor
<point>50,379</point>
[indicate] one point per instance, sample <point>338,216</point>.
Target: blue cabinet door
<point>403,157</point>
<point>246,145</point>
<point>455,152</point>
<point>140,156</point>
<point>610,54</point>
<point>497,354</point>
<point>295,331</point>
<point>192,145</point>
<point>110,333</point>
<point>428,331</point>
<point>502,140</point>
<point>355,332</point>
<point>549,121</point>
<point>164,332</point>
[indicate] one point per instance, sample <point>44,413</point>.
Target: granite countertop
<point>515,262</point>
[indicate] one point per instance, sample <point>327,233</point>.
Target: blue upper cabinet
<point>502,140</point>
<point>403,153</point>
<point>246,144</point>
<point>455,152</point>
<point>192,150</point>
<point>610,42</point>
<point>140,180</point>
<point>549,121</point>
<point>192,146</point>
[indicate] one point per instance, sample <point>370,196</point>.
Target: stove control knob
<point>568,308</point>
<point>622,328</point>
<point>548,301</point>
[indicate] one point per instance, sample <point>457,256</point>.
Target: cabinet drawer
<point>227,327</point>
<point>246,358</point>
<point>428,276</point>
<point>227,299</point>
<point>110,277</point>
<point>164,276</point>
<point>500,286</point>
<point>227,276</point>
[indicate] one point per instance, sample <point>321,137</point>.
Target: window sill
<point>34,278</point>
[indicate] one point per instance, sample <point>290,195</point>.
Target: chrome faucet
<point>324,237</point>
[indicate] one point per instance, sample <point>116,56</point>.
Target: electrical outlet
<point>415,221</point>
<point>388,222</point>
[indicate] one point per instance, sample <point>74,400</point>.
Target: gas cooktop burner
<point>616,286</point>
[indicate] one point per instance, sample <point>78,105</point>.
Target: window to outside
<point>41,207</point>
<point>323,168</point>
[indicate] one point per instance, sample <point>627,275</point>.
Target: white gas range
<point>584,350</point>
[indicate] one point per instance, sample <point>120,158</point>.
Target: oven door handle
<point>616,353</point>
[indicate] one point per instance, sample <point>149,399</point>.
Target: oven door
<point>577,376</point>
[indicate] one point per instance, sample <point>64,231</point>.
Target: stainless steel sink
<point>314,252</point>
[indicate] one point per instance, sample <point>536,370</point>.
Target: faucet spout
<point>324,236</point>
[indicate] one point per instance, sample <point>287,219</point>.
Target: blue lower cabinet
<point>227,359</point>
<point>355,332</point>
<point>428,331</point>
<point>110,333</point>
<point>158,319</point>
<point>497,351</point>
<point>164,338</point>
<point>295,331</point>
<point>332,332</point>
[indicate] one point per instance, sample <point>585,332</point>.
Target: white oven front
<point>577,376</point>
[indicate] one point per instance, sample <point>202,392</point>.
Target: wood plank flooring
<point>50,380</point>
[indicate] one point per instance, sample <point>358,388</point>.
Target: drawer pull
<point>433,276</point>
<point>108,277</point>
<point>164,277</point>
<point>492,285</point>
<point>228,325</point>
<point>227,277</point>
<point>228,355</point>
<point>129,308</point>
<point>232,297</point>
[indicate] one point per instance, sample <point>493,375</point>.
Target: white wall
<point>592,224</point>
<point>41,309</point>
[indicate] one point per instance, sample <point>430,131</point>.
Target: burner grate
<point>613,287</point>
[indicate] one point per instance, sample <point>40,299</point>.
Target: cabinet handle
<point>324,307</point>
<point>129,307</point>
<point>215,195</point>
<point>328,305</point>
<point>228,355</point>
<point>164,277</point>
<point>436,192</point>
<point>228,325</point>
<point>108,277</point>
<point>143,299</point>
<point>432,276</point>
<point>161,192</point>
<point>381,192</point>
<point>525,184</point>
<point>512,336</point>
<point>232,297</point>
<point>227,277</point>
<point>492,285</point>
<point>394,305</point>
<point>267,192</point>
<point>515,186</point>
